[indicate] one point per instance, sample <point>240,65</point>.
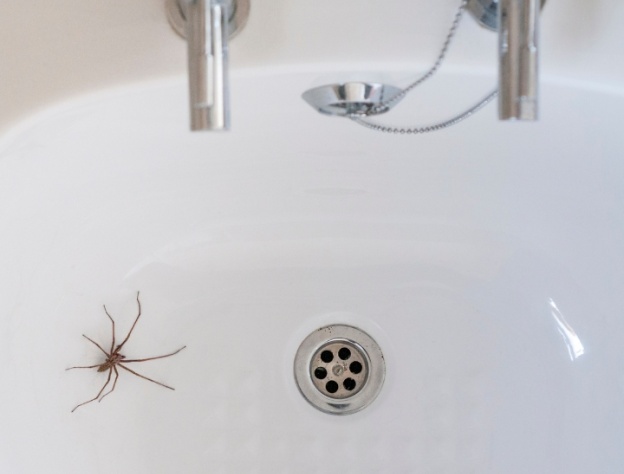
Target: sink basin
<point>486,261</point>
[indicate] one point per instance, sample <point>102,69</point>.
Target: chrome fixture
<point>360,100</point>
<point>352,98</point>
<point>207,25</point>
<point>517,22</point>
<point>339,369</point>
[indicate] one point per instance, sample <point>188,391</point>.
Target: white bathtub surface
<point>486,260</point>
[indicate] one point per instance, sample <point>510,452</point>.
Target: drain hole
<point>339,369</point>
<point>349,384</point>
<point>344,353</point>
<point>355,367</point>
<point>320,373</point>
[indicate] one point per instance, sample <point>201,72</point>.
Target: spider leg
<point>114,384</point>
<point>133,324</point>
<point>153,358</point>
<point>112,321</point>
<point>146,378</point>
<point>98,346</point>
<point>83,367</point>
<point>110,372</point>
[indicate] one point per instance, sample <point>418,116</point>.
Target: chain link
<point>436,65</point>
<point>427,128</point>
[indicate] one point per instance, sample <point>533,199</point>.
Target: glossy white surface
<point>486,260</point>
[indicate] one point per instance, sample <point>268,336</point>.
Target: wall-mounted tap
<point>517,23</point>
<point>207,26</point>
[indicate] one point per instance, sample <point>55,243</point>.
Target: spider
<point>114,359</point>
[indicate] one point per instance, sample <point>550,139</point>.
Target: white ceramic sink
<point>486,260</point>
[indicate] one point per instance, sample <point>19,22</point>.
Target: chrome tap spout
<point>207,39</point>
<point>518,55</point>
<point>517,23</point>
<point>207,26</point>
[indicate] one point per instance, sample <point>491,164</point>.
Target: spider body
<point>111,361</point>
<point>114,360</point>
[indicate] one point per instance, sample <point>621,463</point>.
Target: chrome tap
<point>207,25</point>
<point>207,38</point>
<point>517,22</point>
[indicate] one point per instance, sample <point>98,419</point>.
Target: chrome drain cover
<point>353,98</point>
<point>339,369</point>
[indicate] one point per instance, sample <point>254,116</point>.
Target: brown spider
<point>114,359</point>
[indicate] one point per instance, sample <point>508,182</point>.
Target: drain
<point>339,369</point>
<point>352,98</point>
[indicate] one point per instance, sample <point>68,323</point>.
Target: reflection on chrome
<point>574,344</point>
